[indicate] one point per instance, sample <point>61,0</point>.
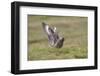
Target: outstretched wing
<point>52,35</point>
<point>47,29</point>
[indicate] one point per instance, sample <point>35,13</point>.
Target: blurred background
<point>72,28</point>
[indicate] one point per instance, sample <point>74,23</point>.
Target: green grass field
<point>73,29</point>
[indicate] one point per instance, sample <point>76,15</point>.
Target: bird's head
<point>61,39</point>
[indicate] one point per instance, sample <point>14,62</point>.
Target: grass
<point>73,29</point>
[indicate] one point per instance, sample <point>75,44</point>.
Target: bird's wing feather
<point>53,36</point>
<point>47,29</point>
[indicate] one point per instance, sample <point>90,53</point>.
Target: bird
<point>54,39</point>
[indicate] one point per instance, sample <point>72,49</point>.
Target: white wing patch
<point>47,29</point>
